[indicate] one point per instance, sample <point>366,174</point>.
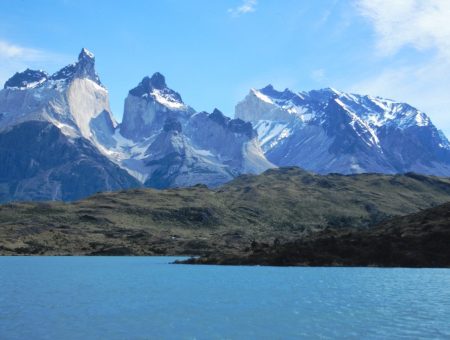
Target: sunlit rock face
<point>55,132</point>
<point>148,105</point>
<point>61,141</point>
<point>166,143</point>
<point>329,131</point>
<point>71,99</point>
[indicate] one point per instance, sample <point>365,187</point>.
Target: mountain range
<point>60,141</point>
<point>329,131</point>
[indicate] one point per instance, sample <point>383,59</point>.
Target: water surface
<point>147,298</point>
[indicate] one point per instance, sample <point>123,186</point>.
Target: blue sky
<point>213,52</point>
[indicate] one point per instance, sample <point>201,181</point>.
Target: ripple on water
<point>142,297</point>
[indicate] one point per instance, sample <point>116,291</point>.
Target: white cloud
<point>421,24</point>
<point>247,6</point>
<point>422,80</point>
<point>14,52</point>
<point>425,86</point>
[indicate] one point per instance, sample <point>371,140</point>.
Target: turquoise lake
<point>148,298</point>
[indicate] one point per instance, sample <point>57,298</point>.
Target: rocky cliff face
<point>78,148</point>
<point>147,107</point>
<point>330,131</point>
<point>54,135</point>
<point>166,143</point>
<point>173,161</point>
<point>71,99</point>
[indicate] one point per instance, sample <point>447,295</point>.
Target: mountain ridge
<point>331,131</point>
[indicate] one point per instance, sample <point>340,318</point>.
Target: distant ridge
<point>332,131</point>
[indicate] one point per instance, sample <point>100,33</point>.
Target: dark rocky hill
<point>285,204</point>
<point>416,240</point>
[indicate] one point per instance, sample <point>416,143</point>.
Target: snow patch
<point>167,100</point>
<point>261,96</point>
<point>88,53</point>
<point>271,132</point>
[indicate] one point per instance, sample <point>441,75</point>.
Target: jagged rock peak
<point>155,87</point>
<point>85,54</point>
<point>270,91</point>
<point>86,65</point>
<point>148,84</point>
<point>234,125</point>
<point>84,68</point>
<point>269,94</point>
<point>268,88</point>
<point>158,81</point>
<point>26,79</point>
<point>219,117</point>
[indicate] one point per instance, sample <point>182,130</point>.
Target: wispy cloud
<point>416,23</point>
<point>15,57</point>
<point>422,26</point>
<point>247,6</point>
<point>425,85</point>
<point>15,52</point>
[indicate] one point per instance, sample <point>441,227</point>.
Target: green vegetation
<point>284,204</point>
<point>415,240</point>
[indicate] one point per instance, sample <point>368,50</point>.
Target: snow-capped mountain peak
<point>273,105</point>
<point>149,84</point>
<point>73,99</point>
<point>161,142</point>
<point>329,130</point>
<point>155,88</point>
<point>26,79</point>
<point>304,106</point>
<point>83,68</point>
<point>148,105</point>
<point>86,54</point>
<point>261,96</point>
<point>176,146</point>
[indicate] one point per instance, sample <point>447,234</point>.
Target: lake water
<point>147,298</point>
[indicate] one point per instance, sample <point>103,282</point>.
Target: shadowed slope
<point>415,240</point>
